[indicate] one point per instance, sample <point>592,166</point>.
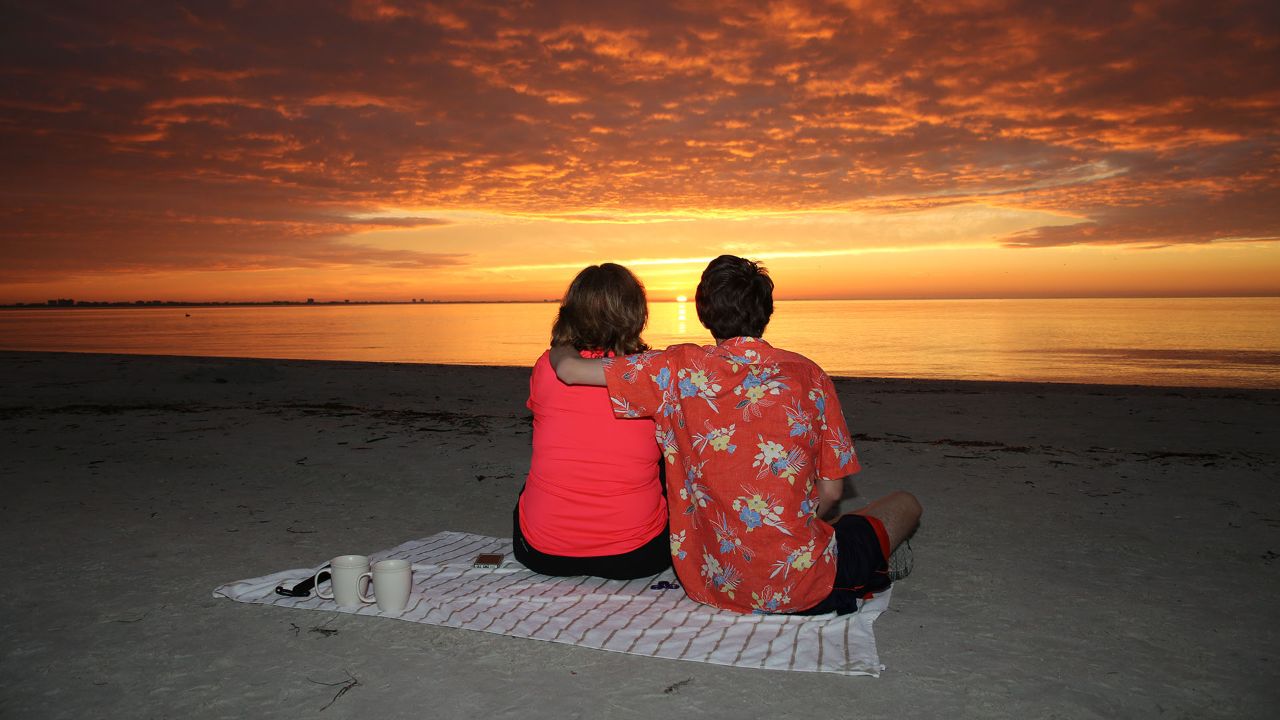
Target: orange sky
<point>488,150</point>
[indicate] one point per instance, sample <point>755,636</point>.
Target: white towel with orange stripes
<point>640,617</point>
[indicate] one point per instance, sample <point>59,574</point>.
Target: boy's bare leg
<point>899,511</point>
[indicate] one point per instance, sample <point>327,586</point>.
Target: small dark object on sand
<point>302,589</point>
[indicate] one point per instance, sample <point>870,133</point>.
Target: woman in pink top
<point>593,503</point>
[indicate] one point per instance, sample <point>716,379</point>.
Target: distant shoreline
<point>90,304</point>
<point>110,304</point>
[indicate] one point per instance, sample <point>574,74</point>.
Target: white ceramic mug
<point>346,574</point>
<point>392,580</point>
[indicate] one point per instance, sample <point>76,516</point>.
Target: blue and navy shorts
<point>862,565</point>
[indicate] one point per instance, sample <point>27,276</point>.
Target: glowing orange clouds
<point>388,149</point>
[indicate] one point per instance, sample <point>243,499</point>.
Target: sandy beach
<point>1086,551</point>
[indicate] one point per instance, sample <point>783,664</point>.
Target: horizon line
<point>64,303</point>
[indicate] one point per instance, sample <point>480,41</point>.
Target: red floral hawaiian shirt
<point>747,431</point>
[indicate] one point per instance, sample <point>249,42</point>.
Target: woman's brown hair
<point>604,309</point>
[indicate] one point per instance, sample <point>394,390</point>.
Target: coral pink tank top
<point>593,485</point>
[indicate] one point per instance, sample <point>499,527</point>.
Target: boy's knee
<point>909,504</point>
<point>915,504</point>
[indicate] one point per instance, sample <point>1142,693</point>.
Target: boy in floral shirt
<point>757,450</point>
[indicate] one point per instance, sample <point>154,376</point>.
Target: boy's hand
<point>558,354</point>
<point>573,369</point>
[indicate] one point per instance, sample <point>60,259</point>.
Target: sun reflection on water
<point>1224,342</point>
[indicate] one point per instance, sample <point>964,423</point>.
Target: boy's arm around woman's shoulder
<point>573,369</point>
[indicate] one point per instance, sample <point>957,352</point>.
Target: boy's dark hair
<point>603,309</point>
<point>735,298</point>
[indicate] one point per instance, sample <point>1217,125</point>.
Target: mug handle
<point>359,591</point>
<point>320,593</point>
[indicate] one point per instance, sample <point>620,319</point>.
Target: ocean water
<point>1189,342</point>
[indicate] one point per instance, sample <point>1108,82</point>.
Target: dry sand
<point>1087,551</point>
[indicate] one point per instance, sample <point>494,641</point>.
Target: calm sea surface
<point>1223,342</point>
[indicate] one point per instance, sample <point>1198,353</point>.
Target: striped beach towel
<point>621,616</point>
